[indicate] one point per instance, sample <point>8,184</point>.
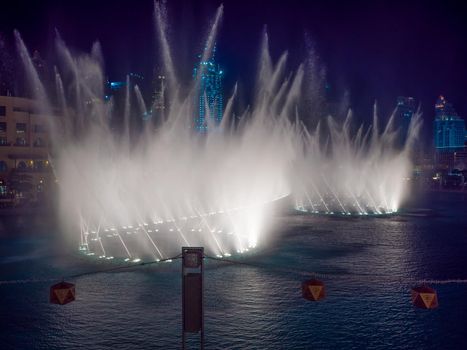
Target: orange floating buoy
<point>62,293</point>
<point>424,297</point>
<point>313,290</point>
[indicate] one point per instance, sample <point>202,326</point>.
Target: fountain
<point>361,174</point>
<point>145,196</point>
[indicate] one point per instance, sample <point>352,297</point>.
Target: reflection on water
<point>256,308</point>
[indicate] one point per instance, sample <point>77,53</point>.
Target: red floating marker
<point>424,297</point>
<point>313,290</point>
<point>62,293</point>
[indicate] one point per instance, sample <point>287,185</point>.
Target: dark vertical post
<point>183,300</point>
<point>202,301</point>
<point>192,293</point>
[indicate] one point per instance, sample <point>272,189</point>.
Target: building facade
<point>25,169</point>
<point>449,128</point>
<point>449,134</point>
<point>209,109</point>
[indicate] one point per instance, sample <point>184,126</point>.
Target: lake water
<point>370,265</point>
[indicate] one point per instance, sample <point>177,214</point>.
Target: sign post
<point>192,293</point>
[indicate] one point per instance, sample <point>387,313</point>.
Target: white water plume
<point>171,187</point>
<point>354,174</point>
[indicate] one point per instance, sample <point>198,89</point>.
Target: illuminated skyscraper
<point>209,98</point>
<point>449,134</point>
<point>449,128</point>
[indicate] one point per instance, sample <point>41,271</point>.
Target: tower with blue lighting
<point>449,128</point>
<point>209,97</point>
<point>449,134</point>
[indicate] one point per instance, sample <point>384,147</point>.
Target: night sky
<point>374,49</point>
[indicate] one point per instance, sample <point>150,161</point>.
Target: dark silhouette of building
<point>158,103</point>
<point>404,113</point>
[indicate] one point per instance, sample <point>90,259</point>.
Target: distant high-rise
<point>209,98</point>
<point>116,91</point>
<point>158,98</point>
<point>449,134</point>
<point>404,112</point>
<point>449,128</point>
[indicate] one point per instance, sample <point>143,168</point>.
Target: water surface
<point>370,265</point>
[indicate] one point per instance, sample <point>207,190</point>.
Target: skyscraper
<point>449,133</point>
<point>449,128</point>
<point>209,97</point>
<point>404,112</point>
<point>158,100</point>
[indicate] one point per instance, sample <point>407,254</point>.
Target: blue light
<point>147,115</point>
<point>449,128</point>
<point>115,85</point>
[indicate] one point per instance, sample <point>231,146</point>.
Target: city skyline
<point>339,85</point>
<point>374,64</point>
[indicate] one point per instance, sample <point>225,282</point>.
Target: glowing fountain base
<point>346,214</point>
<point>223,233</point>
